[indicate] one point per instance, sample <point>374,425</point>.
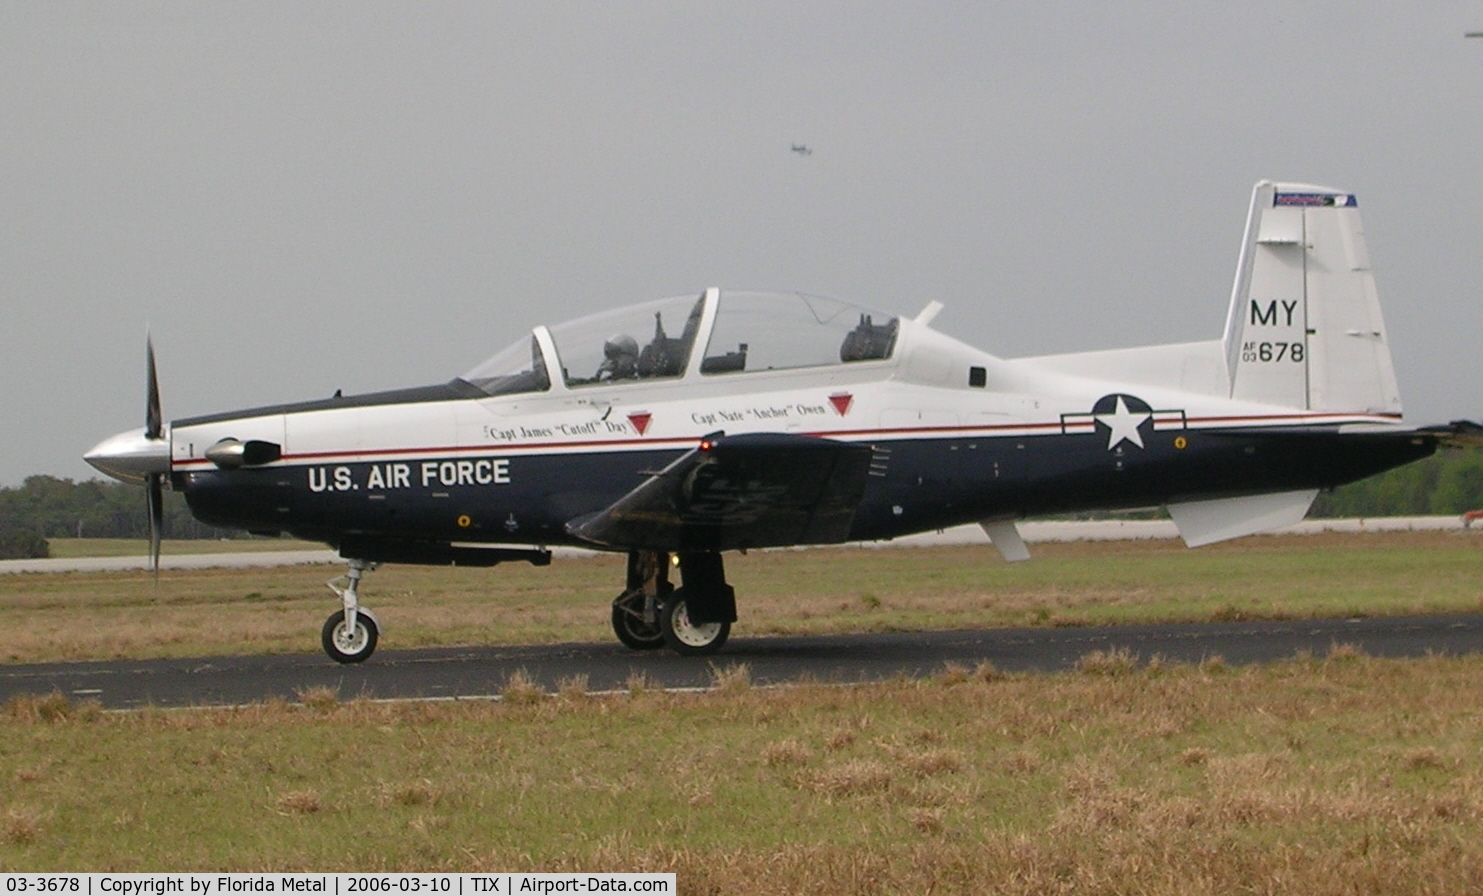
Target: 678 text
<point>1273,351</point>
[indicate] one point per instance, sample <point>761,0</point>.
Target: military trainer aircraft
<point>681,429</point>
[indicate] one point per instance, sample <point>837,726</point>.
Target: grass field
<point>192,613</point>
<point>1335,774</point>
<point>1339,774</point>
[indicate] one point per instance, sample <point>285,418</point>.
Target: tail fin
<point>1304,328</point>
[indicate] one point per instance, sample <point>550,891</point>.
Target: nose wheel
<point>349,642</point>
<point>350,634</point>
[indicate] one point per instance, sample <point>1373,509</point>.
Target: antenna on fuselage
<point>925,316</point>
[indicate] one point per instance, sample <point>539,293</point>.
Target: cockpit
<point>742,332</point>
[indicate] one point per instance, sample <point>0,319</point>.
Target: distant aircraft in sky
<point>802,150</point>
<point>773,419</point>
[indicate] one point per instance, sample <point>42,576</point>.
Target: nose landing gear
<point>349,635</point>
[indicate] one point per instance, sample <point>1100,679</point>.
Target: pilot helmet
<point>620,345</point>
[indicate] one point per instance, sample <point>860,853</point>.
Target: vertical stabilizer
<point>1304,328</point>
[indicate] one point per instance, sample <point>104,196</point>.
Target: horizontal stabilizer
<point>747,491</point>
<point>1206,522</point>
<point>1457,434</point>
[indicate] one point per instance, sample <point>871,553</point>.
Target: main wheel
<point>685,637</point>
<point>630,627</point>
<point>344,645</point>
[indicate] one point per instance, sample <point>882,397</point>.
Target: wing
<point>746,491</point>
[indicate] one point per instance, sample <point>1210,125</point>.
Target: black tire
<point>355,649</point>
<point>687,639</point>
<point>630,627</point>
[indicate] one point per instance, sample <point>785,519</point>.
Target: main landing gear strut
<point>349,635</point>
<point>691,620</point>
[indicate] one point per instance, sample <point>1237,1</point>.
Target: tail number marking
<point>1272,352</point>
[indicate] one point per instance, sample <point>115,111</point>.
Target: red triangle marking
<point>842,402</point>
<point>640,421</point>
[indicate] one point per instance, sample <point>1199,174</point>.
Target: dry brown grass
<point>51,707</point>
<point>416,793</point>
<point>321,697</point>
<point>1309,776</point>
<point>953,674</point>
<point>522,689</point>
<point>640,683</point>
<point>839,738</point>
<point>855,777</point>
<point>1116,661</point>
<point>22,825</point>
<point>1195,756</point>
<point>1214,664</point>
<point>573,687</point>
<point>1425,758</point>
<point>987,671</point>
<point>299,802</point>
<point>731,678</point>
<point>786,752</point>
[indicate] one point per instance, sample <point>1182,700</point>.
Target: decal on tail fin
<point>1304,328</point>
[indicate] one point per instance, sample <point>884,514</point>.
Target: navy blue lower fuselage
<point>918,485</point>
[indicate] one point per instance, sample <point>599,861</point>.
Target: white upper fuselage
<point>929,386</point>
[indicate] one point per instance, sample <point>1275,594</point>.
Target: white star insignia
<point>1124,424</point>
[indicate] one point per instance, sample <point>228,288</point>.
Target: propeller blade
<point>154,424</point>
<point>155,485</point>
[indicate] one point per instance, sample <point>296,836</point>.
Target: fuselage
<point>958,435</point>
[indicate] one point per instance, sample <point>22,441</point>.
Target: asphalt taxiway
<point>482,672</point>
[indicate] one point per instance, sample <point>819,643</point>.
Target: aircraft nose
<point>130,456</point>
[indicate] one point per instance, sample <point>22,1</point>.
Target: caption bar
<point>333,884</point>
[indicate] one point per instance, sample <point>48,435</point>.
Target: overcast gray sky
<point>301,197</point>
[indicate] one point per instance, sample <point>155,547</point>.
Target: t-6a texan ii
<point>678,430</point>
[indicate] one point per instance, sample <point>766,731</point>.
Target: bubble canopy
<point>743,332</point>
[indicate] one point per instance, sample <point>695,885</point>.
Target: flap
<point>747,491</point>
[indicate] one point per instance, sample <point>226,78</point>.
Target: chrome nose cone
<point>131,456</point>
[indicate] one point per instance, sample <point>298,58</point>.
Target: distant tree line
<point>47,507</point>
<point>1449,482</point>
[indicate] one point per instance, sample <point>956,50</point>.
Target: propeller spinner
<point>141,457</point>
